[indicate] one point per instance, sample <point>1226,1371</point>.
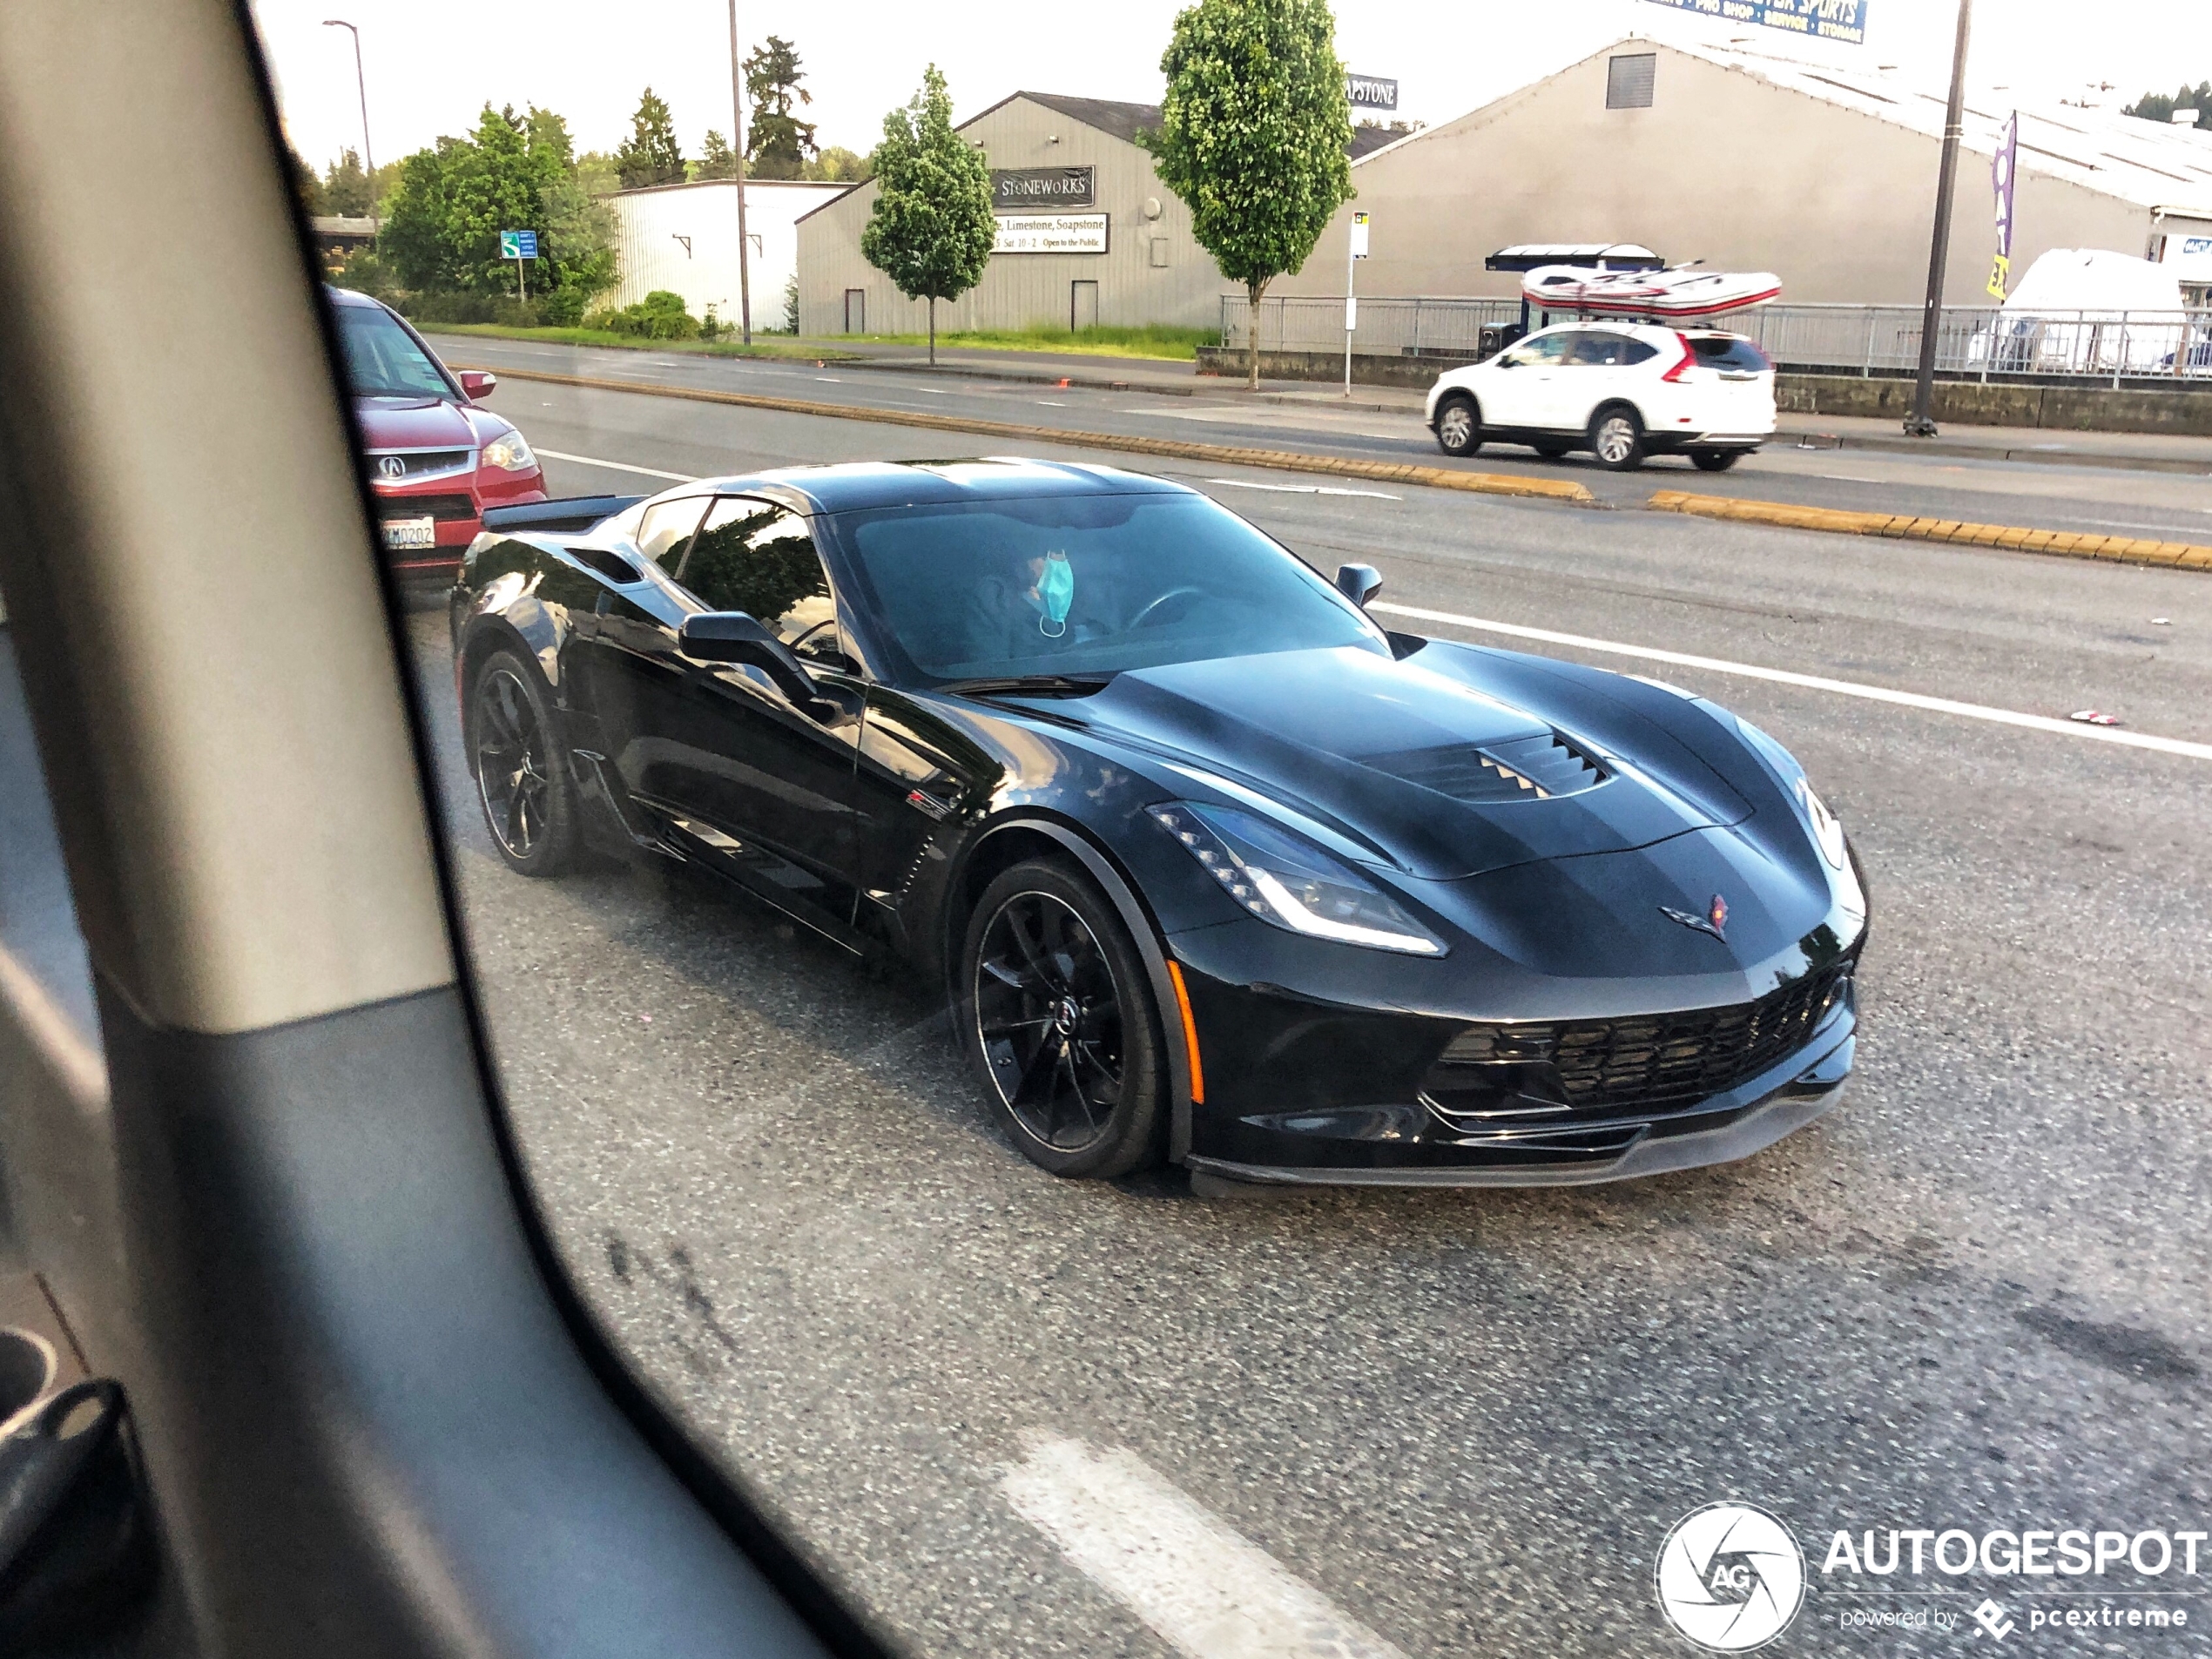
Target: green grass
<point>763,345</point>
<point>1152,339</point>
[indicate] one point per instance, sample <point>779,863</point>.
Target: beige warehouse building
<point>1088,232</point>
<point>1749,161</point>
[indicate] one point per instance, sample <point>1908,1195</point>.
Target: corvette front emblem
<point>1711,922</point>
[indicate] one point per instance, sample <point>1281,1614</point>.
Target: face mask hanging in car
<point>1056,592</point>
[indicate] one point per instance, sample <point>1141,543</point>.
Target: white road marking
<point>619,466</point>
<point>1206,1591</point>
<point>837,378</point>
<point>1817,682</point>
<point>1052,403</point>
<point>1304,489</point>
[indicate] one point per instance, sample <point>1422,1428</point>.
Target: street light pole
<point>1922,425</point>
<point>737,142</point>
<point>361,80</point>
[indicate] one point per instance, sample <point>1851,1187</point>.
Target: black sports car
<point>1216,868</point>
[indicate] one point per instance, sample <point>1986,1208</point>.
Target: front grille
<point>415,463</point>
<point>1524,769</point>
<point>1648,1063</point>
<point>437,507</point>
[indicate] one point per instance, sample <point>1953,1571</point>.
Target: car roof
<point>349,297</point>
<point>853,485</point>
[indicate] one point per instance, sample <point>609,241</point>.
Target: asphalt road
<point>1452,1423</point>
<point>2099,499</point>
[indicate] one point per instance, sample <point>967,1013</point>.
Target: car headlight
<point>1291,883</point>
<point>509,454</point>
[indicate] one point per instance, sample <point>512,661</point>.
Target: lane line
<point>620,466</point>
<point>1817,682</point>
<point>1304,489</point>
<point>1202,1588</point>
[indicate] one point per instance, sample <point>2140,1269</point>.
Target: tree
<point>779,143</point>
<point>931,229</point>
<point>305,184</point>
<point>1252,136</point>
<point>2154,106</point>
<point>717,159</point>
<point>649,155</point>
<point>837,164</point>
<point>345,187</point>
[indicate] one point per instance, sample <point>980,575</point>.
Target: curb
<point>2126,549</point>
<point>1485,483</point>
<point>1786,438</point>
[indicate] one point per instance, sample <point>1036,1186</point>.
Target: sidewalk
<point>2149,452</point>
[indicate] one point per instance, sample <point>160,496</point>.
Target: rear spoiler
<point>570,513</point>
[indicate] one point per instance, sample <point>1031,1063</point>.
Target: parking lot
<point>1460,1422</point>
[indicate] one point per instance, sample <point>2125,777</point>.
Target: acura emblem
<point>1713,921</point>
<point>391,466</point>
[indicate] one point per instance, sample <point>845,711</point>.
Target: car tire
<point>1056,1013</point>
<point>1552,449</point>
<point>523,782</point>
<point>1714,460</point>
<point>1616,438</point>
<point>1459,425</point>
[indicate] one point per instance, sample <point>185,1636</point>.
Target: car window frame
<point>838,609</point>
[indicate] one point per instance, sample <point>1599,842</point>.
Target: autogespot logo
<point>1730,1577</point>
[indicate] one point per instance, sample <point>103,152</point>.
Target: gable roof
<point>1124,121</point>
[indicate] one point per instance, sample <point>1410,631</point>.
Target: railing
<point>1983,342</point>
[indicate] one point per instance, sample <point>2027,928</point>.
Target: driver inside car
<point>1024,612</point>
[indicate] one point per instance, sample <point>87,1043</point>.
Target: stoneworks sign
<point>1029,189</point>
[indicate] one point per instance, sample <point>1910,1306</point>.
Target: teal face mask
<point>1056,592</point>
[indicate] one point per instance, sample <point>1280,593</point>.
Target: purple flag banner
<point>2002,168</point>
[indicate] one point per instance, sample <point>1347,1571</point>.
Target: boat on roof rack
<point>1600,256</point>
<point>1669,294</point>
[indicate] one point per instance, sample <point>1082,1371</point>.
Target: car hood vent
<point>1536,768</point>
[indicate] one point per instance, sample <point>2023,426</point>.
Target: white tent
<point>2081,309</point>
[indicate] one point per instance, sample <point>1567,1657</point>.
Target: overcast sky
<point>431,63</point>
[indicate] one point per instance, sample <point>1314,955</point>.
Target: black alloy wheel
<point>1060,1019</point>
<point>1458,426</point>
<point>1714,460</point>
<point>1616,438</point>
<point>529,805</point>
<point>1551,449</point>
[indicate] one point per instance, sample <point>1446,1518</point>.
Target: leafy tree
<point>596,174</point>
<point>651,155</point>
<point>2154,106</point>
<point>345,187</point>
<point>779,143</point>
<point>1252,136</point>
<point>837,164</point>
<point>717,159</point>
<point>931,229</point>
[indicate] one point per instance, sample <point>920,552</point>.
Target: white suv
<point>1622,390</point>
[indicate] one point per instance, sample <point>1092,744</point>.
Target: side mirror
<point>1359,582</point>
<point>477,384</point>
<point>733,637</point>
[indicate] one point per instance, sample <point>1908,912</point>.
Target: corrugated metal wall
<point>1177,283</point>
<point>651,227</point>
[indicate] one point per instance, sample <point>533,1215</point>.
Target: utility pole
<point>1922,425</point>
<point>360,81</point>
<point>737,142</point>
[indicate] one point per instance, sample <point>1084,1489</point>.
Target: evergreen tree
<point>778,145</point>
<point>931,229</point>
<point>651,155</point>
<point>2156,106</point>
<point>1252,136</point>
<point>345,187</point>
<point>717,159</point>
<point>305,184</point>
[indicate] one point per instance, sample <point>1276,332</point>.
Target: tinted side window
<point>664,533</point>
<point>1729,351</point>
<point>759,558</point>
<point>1544,349</point>
<point>1606,350</point>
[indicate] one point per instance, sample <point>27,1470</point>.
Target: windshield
<point>383,359</point>
<point>1081,585</point>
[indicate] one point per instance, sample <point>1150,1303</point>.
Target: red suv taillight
<point>1688,360</point>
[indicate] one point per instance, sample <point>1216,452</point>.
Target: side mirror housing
<point>1359,582</point>
<point>477,384</point>
<point>733,637</point>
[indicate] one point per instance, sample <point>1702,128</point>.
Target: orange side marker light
<point>1189,1035</point>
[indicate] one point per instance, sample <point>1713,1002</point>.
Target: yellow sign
<point>2000,272</point>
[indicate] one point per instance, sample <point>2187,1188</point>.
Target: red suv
<point>435,460</point>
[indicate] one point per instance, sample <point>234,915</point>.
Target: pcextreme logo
<point>1730,1577</point>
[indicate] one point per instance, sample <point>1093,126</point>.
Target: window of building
<point>1628,80</point>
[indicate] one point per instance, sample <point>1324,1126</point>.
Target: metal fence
<point>1981,342</point>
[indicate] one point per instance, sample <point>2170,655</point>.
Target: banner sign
<point>1027,190</point>
<point>2001,168</point>
<point>1843,20</point>
<point>1371,92</point>
<point>1051,233</point>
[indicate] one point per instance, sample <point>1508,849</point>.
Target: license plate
<point>410,532</point>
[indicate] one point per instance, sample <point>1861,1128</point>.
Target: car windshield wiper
<point>1029,685</point>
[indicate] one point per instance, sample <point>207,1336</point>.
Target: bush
<point>564,308</point>
<point>790,305</point>
<point>435,307</point>
<point>659,315</point>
